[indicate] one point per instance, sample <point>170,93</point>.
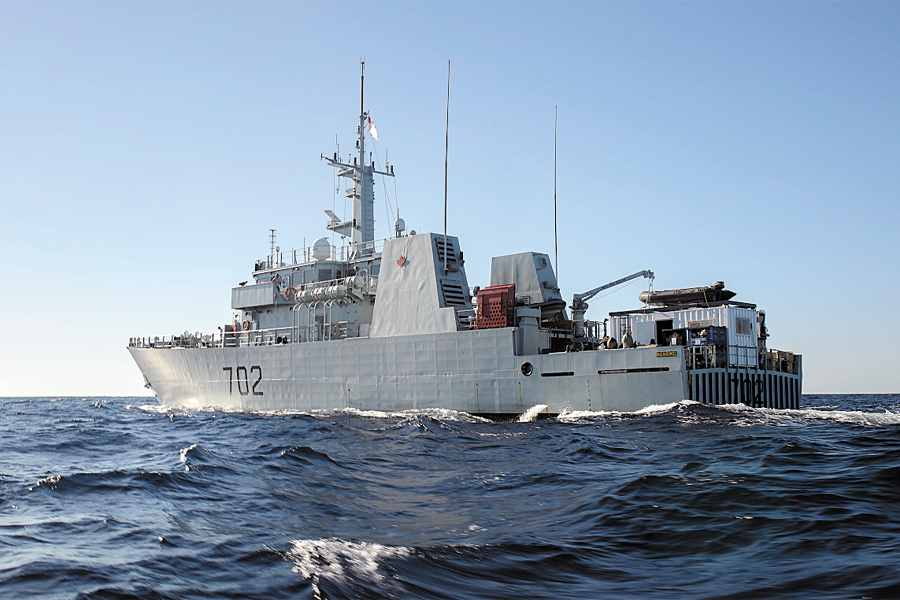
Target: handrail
<point>704,356</point>
<point>304,255</point>
<point>227,339</point>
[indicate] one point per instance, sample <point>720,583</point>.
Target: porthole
<point>527,369</point>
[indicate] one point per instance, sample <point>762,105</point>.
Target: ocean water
<point>117,498</point>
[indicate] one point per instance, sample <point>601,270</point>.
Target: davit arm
<point>579,301</point>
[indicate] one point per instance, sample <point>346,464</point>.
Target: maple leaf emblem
<point>401,261</point>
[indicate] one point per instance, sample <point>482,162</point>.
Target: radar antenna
<point>361,228</point>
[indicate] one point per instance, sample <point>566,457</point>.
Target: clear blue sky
<point>147,148</point>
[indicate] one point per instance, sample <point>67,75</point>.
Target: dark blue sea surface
<point>117,498</point>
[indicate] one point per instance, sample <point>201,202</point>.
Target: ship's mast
<point>361,229</point>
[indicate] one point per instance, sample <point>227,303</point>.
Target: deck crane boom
<point>579,301</point>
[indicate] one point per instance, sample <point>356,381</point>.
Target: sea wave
<point>677,500</point>
<point>532,413</point>
<point>356,567</point>
<point>853,417</point>
<point>653,409</point>
<point>688,409</point>
<point>436,413</point>
<point>183,455</point>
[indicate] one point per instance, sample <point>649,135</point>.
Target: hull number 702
<point>239,375</point>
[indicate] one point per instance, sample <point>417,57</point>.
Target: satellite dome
<point>321,249</point>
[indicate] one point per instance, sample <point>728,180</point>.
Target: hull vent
<point>453,293</point>
<point>449,250</point>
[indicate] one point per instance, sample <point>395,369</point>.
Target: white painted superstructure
<point>393,325</point>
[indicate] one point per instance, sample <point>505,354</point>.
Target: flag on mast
<point>372,131</point>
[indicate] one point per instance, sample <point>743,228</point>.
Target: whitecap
<point>663,408</point>
<point>436,413</point>
<point>652,409</point>
<point>853,417</point>
<point>441,414</point>
<point>343,562</point>
<point>532,413</point>
<point>157,408</point>
<point>182,409</point>
<point>50,482</point>
<point>184,452</point>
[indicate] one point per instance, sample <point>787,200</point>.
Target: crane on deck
<point>580,306</point>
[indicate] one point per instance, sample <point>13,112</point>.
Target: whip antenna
<point>446,151</point>
<point>555,244</point>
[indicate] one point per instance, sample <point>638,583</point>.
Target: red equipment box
<point>496,307</point>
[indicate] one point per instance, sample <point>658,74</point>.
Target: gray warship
<point>392,325</point>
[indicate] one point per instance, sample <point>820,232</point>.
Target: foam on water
<point>50,481</point>
<point>436,413</point>
<point>681,500</point>
<point>342,562</point>
<point>151,408</point>
<point>162,409</point>
<point>653,409</point>
<point>778,416</point>
<point>184,452</point>
<point>786,416</point>
<point>532,413</point>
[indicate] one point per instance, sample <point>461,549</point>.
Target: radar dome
<point>321,249</point>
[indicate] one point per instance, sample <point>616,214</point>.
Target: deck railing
<point>226,339</point>
<point>299,256</point>
<point>705,356</point>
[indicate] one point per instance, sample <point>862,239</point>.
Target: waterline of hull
<point>468,371</point>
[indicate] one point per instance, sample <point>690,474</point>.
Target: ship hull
<point>469,371</point>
